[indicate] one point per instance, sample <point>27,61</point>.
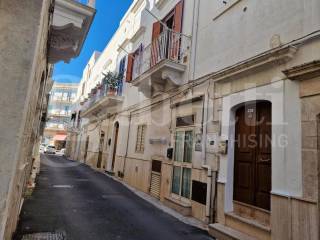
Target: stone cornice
<point>275,56</point>
<point>304,72</point>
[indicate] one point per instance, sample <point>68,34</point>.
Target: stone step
<point>250,222</point>
<point>44,236</point>
<point>222,232</point>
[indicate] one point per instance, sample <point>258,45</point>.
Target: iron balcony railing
<point>169,45</point>
<point>100,92</point>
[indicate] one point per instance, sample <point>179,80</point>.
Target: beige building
<point>213,108</point>
<point>60,113</point>
<point>34,35</point>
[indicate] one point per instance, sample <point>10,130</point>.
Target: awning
<point>60,137</point>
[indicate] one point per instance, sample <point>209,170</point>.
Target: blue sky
<point>109,13</point>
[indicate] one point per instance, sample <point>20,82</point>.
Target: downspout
<point>195,26</point>
<point>211,178</point>
<point>203,153</point>
<point>209,182</point>
<point>126,155</point>
<point>204,126</point>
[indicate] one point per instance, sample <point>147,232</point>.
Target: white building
<point>60,113</point>
<point>34,36</point>
<point>210,116</point>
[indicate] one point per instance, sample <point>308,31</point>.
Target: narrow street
<point>83,204</point>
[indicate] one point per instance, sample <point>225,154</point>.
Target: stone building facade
<point>60,113</point>
<point>33,37</point>
<point>211,107</point>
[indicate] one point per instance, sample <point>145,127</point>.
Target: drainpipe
<point>126,155</point>
<point>209,182</point>
<point>204,126</point>
<point>195,30</point>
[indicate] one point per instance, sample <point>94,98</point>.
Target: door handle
<point>265,160</point>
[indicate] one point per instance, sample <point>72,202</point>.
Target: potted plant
<point>112,82</point>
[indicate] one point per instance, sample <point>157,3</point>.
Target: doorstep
<point>249,221</point>
<point>45,236</point>
<point>247,226</point>
<point>223,232</point>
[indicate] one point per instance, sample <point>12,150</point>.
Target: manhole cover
<point>44,236</point>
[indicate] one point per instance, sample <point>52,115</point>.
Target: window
<point>66,109</point>
<point>69,96</point>
<point>185,121</point>
<point>122,68</point>
<point>141,138</point>
<point>137,62</point>
<point>181,181</point>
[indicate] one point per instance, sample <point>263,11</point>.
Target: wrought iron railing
<point>102,91</point>
<point>169,45</point>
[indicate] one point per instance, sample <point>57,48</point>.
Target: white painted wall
<point>246,29</point>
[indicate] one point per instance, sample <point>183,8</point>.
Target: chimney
<point>92,3</point>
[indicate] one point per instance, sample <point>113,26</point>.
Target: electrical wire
<point>203,79</point>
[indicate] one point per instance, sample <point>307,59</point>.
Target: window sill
<point>179,206</point>
<point>179,202</point>
<point>224,9</point>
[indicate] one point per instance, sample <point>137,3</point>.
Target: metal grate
<point>45,236</point>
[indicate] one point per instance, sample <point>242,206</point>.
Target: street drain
<point>62,186</point>
<point>44,236</point>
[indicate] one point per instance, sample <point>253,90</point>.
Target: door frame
<point>231,151</point>
<point>286,154</point>
<point>101,146</point>
<point>86,149</point>
<point>113,146</point>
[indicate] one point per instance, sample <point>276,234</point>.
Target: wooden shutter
<point>178,14</point>
<point>129,68</point>
<point>155,184</point>
<point>141,131</point>
<point>156,31</point>
<point>177,28</point>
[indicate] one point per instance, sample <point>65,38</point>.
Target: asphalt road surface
<point>83,204</point>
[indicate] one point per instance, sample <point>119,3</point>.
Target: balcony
<point>104,98</point>
<point>55,127</point>
<point>161,65</point>
<point>59,113</point>
<point>70,26</point>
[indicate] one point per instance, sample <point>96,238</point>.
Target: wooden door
<point>115,145</point>
<point>252,166</point>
